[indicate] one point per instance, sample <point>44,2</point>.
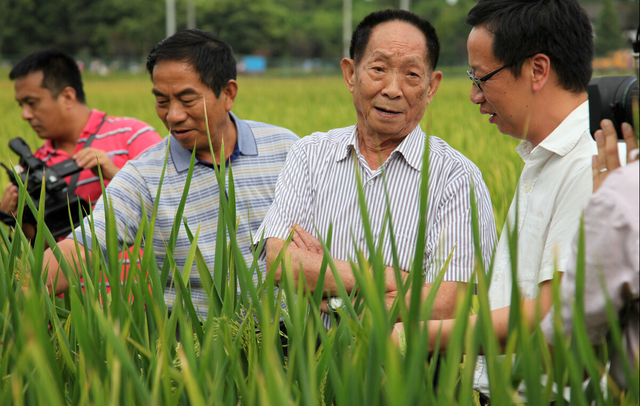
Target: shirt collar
<point>564,138</point>
<point>245,145</point>
<point>411,148</point>
<point>93,125</point>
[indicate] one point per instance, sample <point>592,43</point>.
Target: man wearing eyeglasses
<point>530,67</point>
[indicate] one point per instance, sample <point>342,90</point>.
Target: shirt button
<point>527,188</point>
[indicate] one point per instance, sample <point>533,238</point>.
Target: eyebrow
<point>410,61</point>
<point>186,92</point>
<point>26,99</point>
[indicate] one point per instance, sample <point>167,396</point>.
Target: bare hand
<point>304,240</point>
<point>9,201</point>
<point>607,159</point>
<point>90,158</point>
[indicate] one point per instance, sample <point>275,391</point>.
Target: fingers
<point>311,242</point>
<point>598,177</point>
<point>607,159</point>
<point>9,200</point>
<point>630,139</point>
<point>90,158</point>
<point>607,140</point>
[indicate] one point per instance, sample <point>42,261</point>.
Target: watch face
<point>335,303</point>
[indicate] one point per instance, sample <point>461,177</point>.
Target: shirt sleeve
<point>127,193</point>
<point>293,197</point>
<point>452,230</point>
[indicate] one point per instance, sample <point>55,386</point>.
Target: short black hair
<point>211,57</point>
<point>559,29</point>
<point>360,37</point>
<point>59,71</point>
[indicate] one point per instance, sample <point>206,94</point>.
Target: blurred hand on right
<point>608,159</point>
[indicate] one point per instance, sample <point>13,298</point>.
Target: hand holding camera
<point>60,200</point>
<point>608,159</point>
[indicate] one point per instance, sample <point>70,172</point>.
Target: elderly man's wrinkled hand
<point>608,159</point>
<point>304,240</point>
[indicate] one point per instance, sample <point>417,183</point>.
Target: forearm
<point>306,264</point>
<point>532,312</point>
<point>444,305</point>
<point>56,280</point>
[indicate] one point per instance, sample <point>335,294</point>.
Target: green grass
<point>304,105</point>
<point>96,349</point>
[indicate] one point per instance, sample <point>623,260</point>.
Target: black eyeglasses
<point>479,81</point>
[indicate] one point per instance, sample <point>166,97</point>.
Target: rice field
<point>94,348</point>
<point>304,105</point>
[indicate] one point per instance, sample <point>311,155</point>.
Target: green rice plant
<point>129,347</point>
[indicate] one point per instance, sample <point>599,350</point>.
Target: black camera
<point>58,201</point>
<point>612,97</point>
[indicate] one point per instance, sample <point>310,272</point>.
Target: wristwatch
<point>334,304</point>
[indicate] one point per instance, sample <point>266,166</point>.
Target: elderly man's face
<point>392,83</point>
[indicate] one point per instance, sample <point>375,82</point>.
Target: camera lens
<point>612,97</point>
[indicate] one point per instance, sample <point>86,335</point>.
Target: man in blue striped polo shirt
<point>190,69</point>
<point>392,76</point>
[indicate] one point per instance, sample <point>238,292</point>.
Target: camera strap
<point>74,180</point>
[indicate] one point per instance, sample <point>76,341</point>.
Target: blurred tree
<point>608,36</point>
<point>250,26</point>
<point>298,28</point>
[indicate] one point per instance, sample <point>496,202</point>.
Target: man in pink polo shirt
<point>48,88</point>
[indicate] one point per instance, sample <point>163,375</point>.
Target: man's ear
<point>68,96</point>
<point>434,83</point>
<point>230,92</point>
<point>348,72</point>
<point>540,71</point>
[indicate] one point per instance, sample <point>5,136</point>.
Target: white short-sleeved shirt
<point>553,190</point>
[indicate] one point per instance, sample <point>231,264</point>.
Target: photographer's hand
<point>9,201</point>
<point>607,159</point>
<point>88,158</point>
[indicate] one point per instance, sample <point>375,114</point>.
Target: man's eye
<point>191,101</point>
<point>161,102</point>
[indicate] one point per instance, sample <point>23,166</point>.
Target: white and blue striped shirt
<point>262,151</point>
<point>317,187</point>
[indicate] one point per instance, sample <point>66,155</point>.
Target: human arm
<point>533,310</point>
<point>56,280</point>
<point>305,253</point>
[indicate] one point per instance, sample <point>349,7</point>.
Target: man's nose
<point>476,96</point>
<point>175,113</point>
<point>27,113</point>
<point>393,85</point>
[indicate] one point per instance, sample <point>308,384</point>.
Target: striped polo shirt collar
<point>245,144</point>
<point>411,148</point>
